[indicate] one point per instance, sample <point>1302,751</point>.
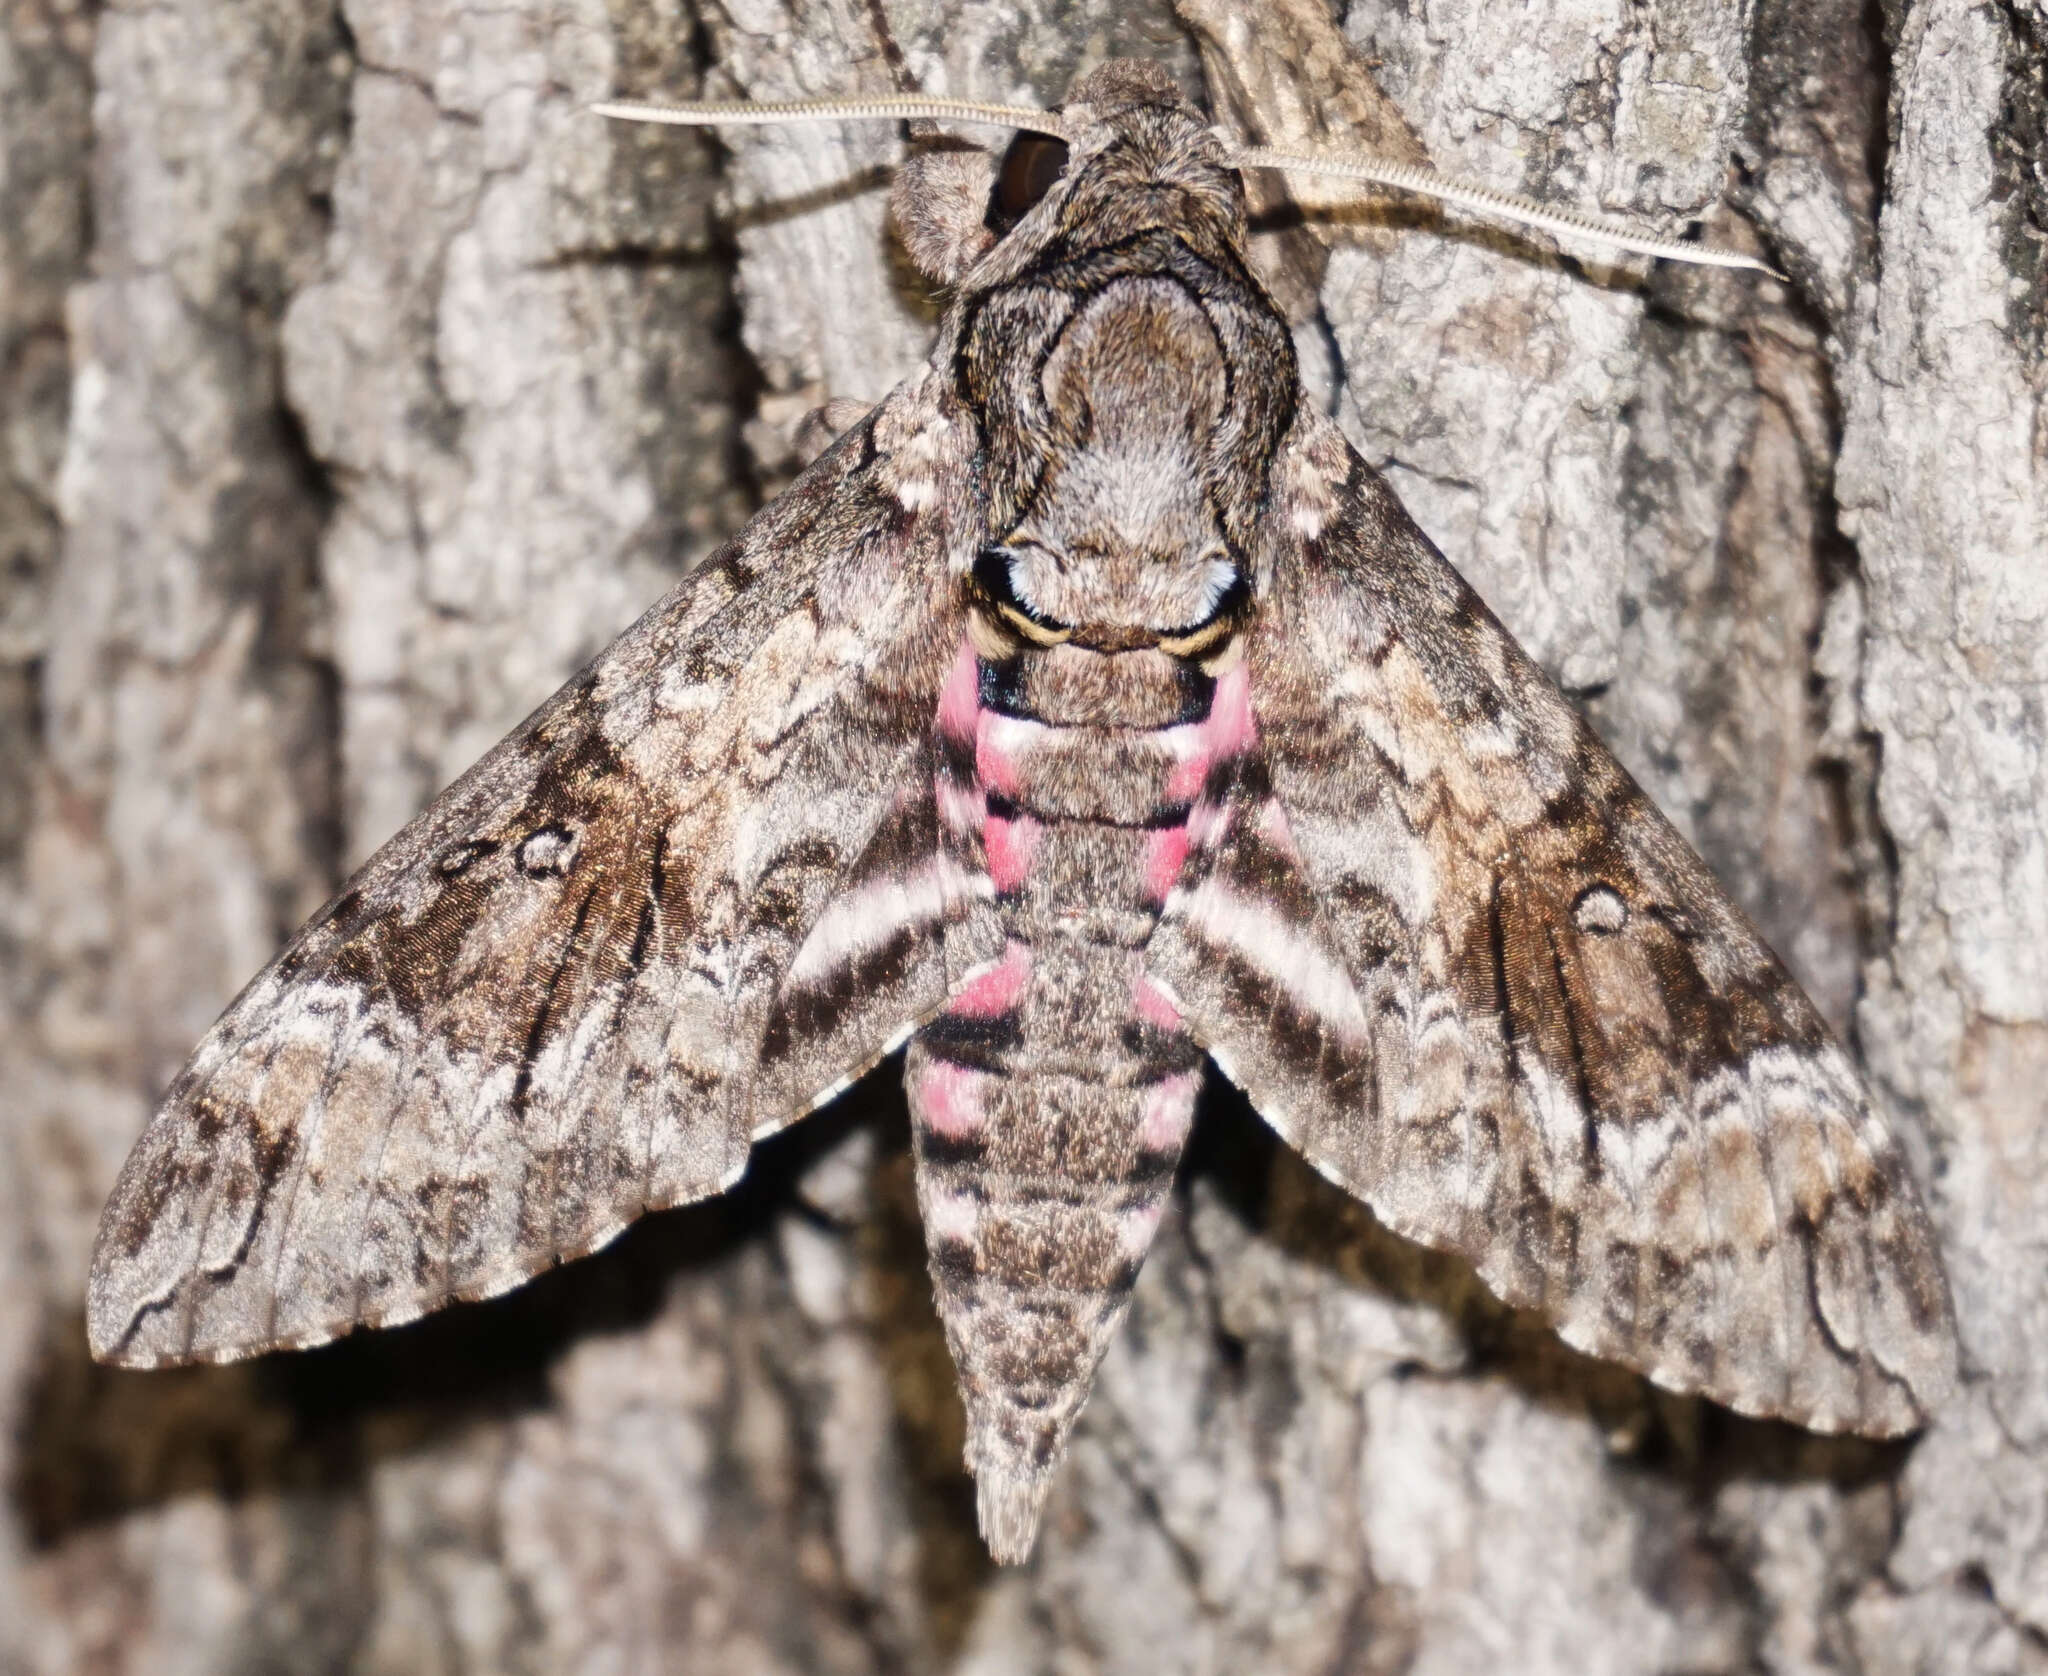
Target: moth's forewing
<point>696,892</point>
<point>1460,961</point>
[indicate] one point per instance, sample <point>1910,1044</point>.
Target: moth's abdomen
<point>1040,1190</point>
<point>1050,1101</point>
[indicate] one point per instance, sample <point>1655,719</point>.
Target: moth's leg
<point>823,426</point>
<point>939,208</point>
<point>791,431</point>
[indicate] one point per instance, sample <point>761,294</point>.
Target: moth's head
<point>1133,154</point>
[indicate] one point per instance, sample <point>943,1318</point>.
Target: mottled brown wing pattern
<point>699,889</point>
<point>1458,959</point>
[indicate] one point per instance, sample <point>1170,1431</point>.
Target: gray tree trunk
<point>356,386</point>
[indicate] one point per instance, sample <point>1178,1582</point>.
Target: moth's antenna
<point>885,107</point>
<point>1508,206</point>
<point>911,107</point>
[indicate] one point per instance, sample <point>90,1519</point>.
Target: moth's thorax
<point>1131,380</point>
<point>1121,533</point>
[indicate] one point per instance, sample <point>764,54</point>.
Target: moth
<point>1088,713</point>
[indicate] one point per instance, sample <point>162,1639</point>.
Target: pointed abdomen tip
<point>1010,1503</point>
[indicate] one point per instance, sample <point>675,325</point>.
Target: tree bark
<point>357,386</point>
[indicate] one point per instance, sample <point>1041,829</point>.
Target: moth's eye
<point>992,578</point>
<point>1026,174</point>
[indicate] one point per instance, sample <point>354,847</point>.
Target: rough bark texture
<point>354,387</point>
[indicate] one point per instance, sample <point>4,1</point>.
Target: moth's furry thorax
<point>1130,379</point>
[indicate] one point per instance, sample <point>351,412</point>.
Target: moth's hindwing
<point>1461,963</point>
<point>699,889</point>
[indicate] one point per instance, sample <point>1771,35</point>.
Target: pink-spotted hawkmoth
<point>1089,712</point>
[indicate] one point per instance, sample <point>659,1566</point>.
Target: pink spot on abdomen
<point>1169,1110</point>
<point>1166,850</point>
<point>996,741</point>
<point>949,1099</point>
<point>1228,731</point>
<point>1009,845</point>
<point>1230,726</point>
<point>1184,783</point>
<point>960,700</point>
<point>1153,1006</point>
<point>950,1217</point>
<point>1136,1226</point>
<point>997,990</point>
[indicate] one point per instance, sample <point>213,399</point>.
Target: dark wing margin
<point>692,896</point>
<point>1463,965</point>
